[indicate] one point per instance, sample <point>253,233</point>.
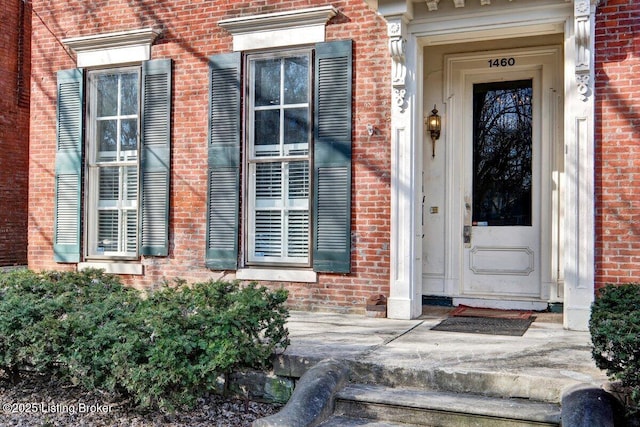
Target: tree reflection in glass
<point>502,153</point>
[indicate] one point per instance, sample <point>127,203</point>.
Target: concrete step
<point>337,421</point>
<point>418,407</point>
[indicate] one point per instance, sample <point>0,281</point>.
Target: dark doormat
<point>485,325</point>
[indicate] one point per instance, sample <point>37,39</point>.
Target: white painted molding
<point>112,48</point>
<point>132,268</point>
<point>396,30</point>
<point>584,11</point>
<point>277,275</point>
<point>294,27</point>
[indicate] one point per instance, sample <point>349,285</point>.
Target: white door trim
<point>408,34</point>
<point>460,70</point>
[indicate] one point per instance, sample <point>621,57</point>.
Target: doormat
<point>466,311</point>
<point>485,325</point>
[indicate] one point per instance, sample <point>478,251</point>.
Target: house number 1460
<point>502,62</point>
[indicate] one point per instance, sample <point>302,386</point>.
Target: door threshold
<point>502,304</point>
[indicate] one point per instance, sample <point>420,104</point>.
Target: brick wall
<point>189,36</point>
<point>14,131</point>
<point>617,57</point>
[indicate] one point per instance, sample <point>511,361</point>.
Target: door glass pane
<point>502,153</point>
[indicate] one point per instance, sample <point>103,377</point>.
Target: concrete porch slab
<point>538,365</point>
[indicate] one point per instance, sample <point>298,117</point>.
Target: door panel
<point>502,151</point>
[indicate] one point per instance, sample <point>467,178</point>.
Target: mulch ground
<point>38,402</point>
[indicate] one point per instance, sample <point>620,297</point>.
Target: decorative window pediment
<point>112,48</point>
<point>295,27</point>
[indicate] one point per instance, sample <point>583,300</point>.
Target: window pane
<point>106,137</point>
<point>129,94</point>
<point>502,134</point>
<point>296,80</point>
<point>107,95</point>
<point>298,234</point>
<point>107,231</point>
<point>269,181</point>
<point>131,235</point>
<point>129,134</point>
<point>296,130</point>
<point>131,181</point>
<point>109,183</point>
<point>268,234</point>
<point>267,132</point>
<point>267,83</point>
<point>299,180</point>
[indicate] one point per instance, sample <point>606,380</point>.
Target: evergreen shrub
<point>164,349</point>
<point>615,335</point>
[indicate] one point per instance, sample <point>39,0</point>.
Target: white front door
<point>503,105</point>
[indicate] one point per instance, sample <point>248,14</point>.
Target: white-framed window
<point>279,135</point>
<point>292,179</point>
<point>112,147</point>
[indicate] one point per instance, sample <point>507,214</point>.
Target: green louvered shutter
<point>223,170</point>
<point>332,158</point>
<point>155,161</point>
<point>69,126</point>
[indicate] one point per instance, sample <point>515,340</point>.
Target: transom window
<point>113,162</point>
<point>278,161</point>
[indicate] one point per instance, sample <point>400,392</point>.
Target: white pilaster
<point>579,167</point>
<point>405,299</point>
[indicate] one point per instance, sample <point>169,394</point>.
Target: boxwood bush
<point>615,335</point>
<point>163,349</point>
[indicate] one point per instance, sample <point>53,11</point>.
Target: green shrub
<point>163,351</point>
<point>615,334</point>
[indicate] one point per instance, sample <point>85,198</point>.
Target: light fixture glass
<point>433,126</point>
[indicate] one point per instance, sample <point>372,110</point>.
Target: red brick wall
<point>190,35</point>
<point>617,57</point>
<point>15,28</point>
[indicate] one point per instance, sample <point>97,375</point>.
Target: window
<point>296,164</point>
<point>279,138</point>
<point>502,153</point>
<point>125,151</point>
<point>113,163</point>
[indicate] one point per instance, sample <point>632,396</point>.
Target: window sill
<point>133,268</point>
<point>277,275</point>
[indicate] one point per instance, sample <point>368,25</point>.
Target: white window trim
<point>251,160</point>
<point>112,48</point>
<point>131,268</point>
<point>290,28</point>
<point>277,275</point>
<point>92,166</point>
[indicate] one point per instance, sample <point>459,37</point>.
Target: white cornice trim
<point>279,20</point>
<point>111,40</point>
<point>112,48</point>
<point>292,27</point>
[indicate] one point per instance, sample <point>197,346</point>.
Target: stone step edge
<point>477,405</point>
<point>458,380</point>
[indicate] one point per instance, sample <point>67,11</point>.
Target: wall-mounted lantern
<point>433,125</point>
